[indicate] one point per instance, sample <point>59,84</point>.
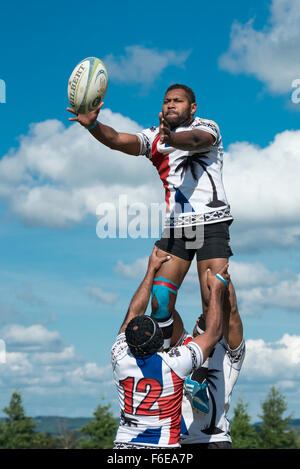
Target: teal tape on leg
<point>162,297</point>
<point>160,290</point>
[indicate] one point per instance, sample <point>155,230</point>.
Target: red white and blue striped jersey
<point>194,191</point>
<point>150,391</point>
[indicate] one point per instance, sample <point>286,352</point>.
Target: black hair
<point>190,93</point>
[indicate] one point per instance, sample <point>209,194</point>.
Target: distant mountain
<point>58,425</point>
<point>55,425</point>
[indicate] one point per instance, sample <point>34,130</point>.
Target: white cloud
<point>59,175</point>
<point>283,294</point>
<point>273,361</point>
<point>30,338</point>
<point>67,355</point>
<point>261,183</point>
<point>51,373</point>
<point>102,296</point>
<point>135,270</point>
<point>17,363</point>
<point>270,54</point>
<point>91,372</point>
<point>142,65</point>
<point>246,275</point>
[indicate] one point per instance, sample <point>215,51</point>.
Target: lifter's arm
<point>140,300</point>
<point>126,143</point>
<point>232,326</point>
<point>214,317</point>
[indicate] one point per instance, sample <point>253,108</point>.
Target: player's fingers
<point>72,111</point>
<point>226,277</point>
<point>165,258</point>
<point>160,116</point>
<point>224,269</point>
<point>154,250</point>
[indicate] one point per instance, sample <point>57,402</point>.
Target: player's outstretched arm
<point>189,140</point>
<point>126,143</point>
<point>140,300</point>
<point>217,285</point>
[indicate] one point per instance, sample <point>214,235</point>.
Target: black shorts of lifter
<point>207,241</point>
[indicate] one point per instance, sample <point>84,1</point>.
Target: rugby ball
<point>87,85</point>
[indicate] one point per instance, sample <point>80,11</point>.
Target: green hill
<point>57,425</point>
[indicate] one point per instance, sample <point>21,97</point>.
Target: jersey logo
<point>174,352</point>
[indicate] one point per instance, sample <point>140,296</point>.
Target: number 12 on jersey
<point>148,386</point>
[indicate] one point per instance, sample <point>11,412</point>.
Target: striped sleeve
<point>146,138</point>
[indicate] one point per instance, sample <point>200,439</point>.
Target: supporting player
<point>187,152</point>
<point>207,392</point>
<point>150,381</point>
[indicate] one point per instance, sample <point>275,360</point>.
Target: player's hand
<point>86,120</point>
<point>156,261</point>
<point>214,283</point>
<point>164,129</point>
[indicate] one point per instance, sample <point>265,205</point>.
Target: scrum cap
<point>144,336</point>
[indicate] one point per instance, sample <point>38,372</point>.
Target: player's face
<point>177,109</point>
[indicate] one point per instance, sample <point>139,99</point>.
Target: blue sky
<point>63,290</point>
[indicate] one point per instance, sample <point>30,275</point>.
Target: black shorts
<point>211,242</point>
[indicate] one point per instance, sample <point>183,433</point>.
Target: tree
<point>67,439</point>
<point>43,441</point>
<point>101,430</point>
<point>18,430</point>
<point>274,432</point>
<point>242,432</point>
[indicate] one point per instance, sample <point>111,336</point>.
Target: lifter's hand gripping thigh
<point>214,283</point>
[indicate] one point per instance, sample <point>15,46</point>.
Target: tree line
<point>17,431</point>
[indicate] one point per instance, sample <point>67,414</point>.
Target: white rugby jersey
<point>221,372</point>
<point>150,391</point>
<point>194,191</point>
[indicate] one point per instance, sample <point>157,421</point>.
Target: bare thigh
<point>214,265</point>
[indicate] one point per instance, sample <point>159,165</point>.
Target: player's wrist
<point>170,139</point>
<point>152,269</point>
<point>92,126</point>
